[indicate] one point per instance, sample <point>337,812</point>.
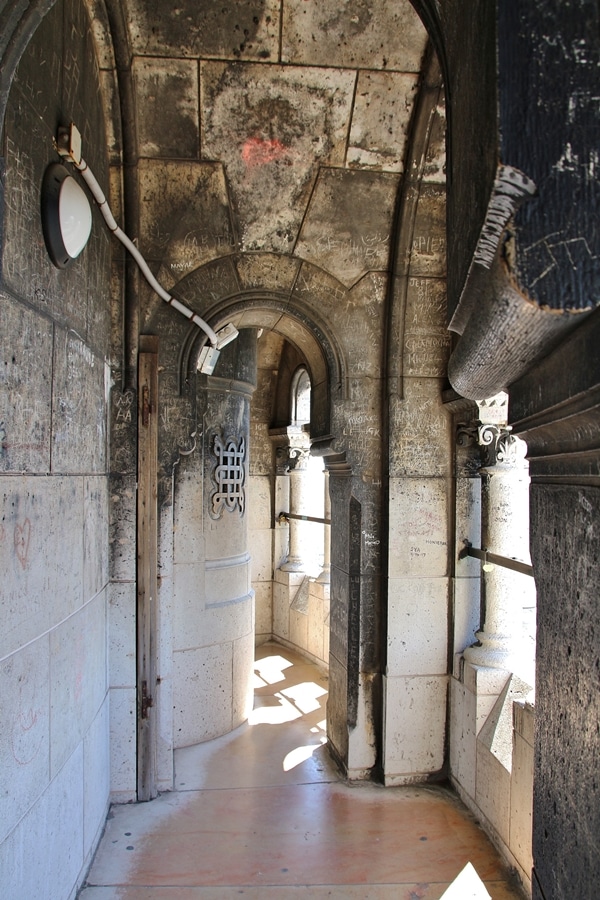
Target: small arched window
<point>301,397</point>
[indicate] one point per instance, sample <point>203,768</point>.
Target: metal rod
<point>506,561</point>
<point>285,515</point>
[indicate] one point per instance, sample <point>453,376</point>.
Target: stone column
<point>505,531</point>
<point>325,576</point>
<point>298,455</point>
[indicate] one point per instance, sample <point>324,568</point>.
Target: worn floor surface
<point>262,813</point>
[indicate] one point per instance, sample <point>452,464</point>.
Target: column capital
<point>497,445</point>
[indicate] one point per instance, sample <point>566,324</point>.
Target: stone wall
<point>419,552</point>
<point>54,530</point>
<point>491,757</point>
<point>554,409</point>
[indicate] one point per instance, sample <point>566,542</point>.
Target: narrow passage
<point>262,813</point>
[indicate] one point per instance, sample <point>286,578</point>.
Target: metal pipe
<point>286,515</point>
<point>495,559</point>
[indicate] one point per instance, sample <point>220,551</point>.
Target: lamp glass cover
<point>75,217</point>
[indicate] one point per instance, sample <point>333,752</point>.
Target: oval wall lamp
<point>66,215</point>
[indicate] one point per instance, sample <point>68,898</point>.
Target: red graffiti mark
<point>258,151</point>
<point>25,748</point>
<point>22,538</point>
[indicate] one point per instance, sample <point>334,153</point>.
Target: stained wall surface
<point>54,383</point>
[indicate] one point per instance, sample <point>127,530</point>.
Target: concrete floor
<point>262,813</point>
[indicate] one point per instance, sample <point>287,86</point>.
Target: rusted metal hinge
<point>147,701</point>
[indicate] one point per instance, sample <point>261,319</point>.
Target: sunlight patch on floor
<point>467,886</point>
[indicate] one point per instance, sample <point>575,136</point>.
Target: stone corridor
<point>261,812</point>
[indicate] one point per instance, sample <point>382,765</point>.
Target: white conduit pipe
<point>90,180</point>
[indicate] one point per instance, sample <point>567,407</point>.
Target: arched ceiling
<point>273,126</point>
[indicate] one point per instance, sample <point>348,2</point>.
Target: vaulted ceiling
<point>281,127</point>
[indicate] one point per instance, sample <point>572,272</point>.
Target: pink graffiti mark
<point>258,151</point>
<point>22,538</point>
<point>24,747</point>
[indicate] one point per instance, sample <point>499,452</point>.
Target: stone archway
<point>345,370</point>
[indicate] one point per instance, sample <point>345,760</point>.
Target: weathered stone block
<point>56,870</point>
<point>466,612</point>
<point>261,123</point>
<point>260,544</point>
<point>493,791</point>
<point>484,680</point>
<point>122,634</point>
<point>415,720</point>
<point>122,527</point>
<point>43,572</point>
<point>167,92</point>
<point>227,580</point>
<point>182,233</point>
<point>95,535</point>
<point>418,527</point>
<point>202,694</point>
<point>337,708</point>
<point>521,789</point>
<point>25,735</point>
<point>96,778</point>
<point>463,735</point>
<point>380,121</point>
<point>298,628</point>
<point>417,626</point>
<point>346,230</point>
<point>429,239</point>
<point>78,406</point>
<point>123,763</point>
<point>468,525</point>
<point>267,271</point>
<point>243,667</point>
<point>227,622</point>
<point>189,602</point>
<point>421,428</point>
<point>246,31</point>
<point>25,390</point>
<point>78,678</point>
<point>259,502</point>
<point>263,610</point>
<point>372,38</point>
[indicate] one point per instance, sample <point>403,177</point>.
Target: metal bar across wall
<point>506,561</point>
<point>285,515</point>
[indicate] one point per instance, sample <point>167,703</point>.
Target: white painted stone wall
<point>491,757</point>
<point>301,614</point>
<point>416,678</point>
<point>261,549</point>
<point>54,707</point>
<point>212,615</point>
<point>54,489</point>
<point>122,639</point>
